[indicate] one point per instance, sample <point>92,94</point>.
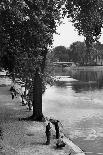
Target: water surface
<point>78,104</point>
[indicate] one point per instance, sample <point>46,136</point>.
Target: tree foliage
<point>87,17</point>
<point>26,31</point>
<point>60,53</point>
<point>78,52</point>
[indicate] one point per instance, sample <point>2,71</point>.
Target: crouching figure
<point>60,143</point>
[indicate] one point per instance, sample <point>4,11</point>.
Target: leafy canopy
<point>87,16</point>
<point>26,31</point>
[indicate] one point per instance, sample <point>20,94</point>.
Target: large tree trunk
<point>37,97</point>
<point>37,91</point>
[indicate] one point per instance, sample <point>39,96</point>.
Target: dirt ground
<point>18,137</point>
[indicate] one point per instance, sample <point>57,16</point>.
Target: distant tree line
<point>77,53</point>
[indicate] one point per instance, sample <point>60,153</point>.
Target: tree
<point>60,53</point>
<point>26,31</point>
<point>98,53</point>
<point>87,17</point>
<point>78,51</point>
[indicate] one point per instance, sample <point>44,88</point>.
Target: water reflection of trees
<point>87,80</point>
<point>86,86</point>
<point>87,76</point>
<point>79,86</point>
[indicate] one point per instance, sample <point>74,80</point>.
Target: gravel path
<point>22,137</point>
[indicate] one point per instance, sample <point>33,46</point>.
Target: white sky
<point>68,35</point>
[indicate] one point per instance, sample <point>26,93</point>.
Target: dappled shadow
<point>26,119</point>
<point>54,147</point>
<point>30,134</point>
<point>3,85</point>
<point>37,143</point>
<point>1,133</point>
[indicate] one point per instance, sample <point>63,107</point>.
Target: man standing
<point>12,94</point>
<point>29,105</point>
<point>57,129</point>
<point>48,133</point>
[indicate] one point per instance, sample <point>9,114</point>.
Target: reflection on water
<point>79,86</point>
<point>85,80</point>
<point>79,106</point>
<point>85,86</point>
<point>88,80</point>
<point>87,75</point>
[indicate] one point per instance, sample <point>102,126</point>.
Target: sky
<point>68,35</point>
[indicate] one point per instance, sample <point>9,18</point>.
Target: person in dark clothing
<point>29,105</point>
<point>60,143</point>
<point>57,129</point>
<point>11,88</point>
<point>22,97</point>
<point>15,92</point>
<point>12,94</point>
<point>48,133</point>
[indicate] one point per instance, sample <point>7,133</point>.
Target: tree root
<point>33,118</point>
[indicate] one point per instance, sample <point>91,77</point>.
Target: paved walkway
<point>22,137</point>
<point>25,137</point>
<point>72,148</point>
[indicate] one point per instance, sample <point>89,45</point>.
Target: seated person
<point>60,143</point>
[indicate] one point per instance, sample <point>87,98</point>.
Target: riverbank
<point>22,137</point>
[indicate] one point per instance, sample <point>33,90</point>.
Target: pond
<point>77,101</point>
